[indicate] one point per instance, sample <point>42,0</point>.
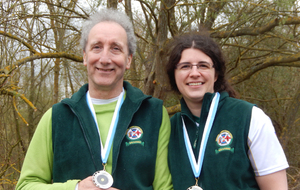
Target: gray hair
<point>110,15</point>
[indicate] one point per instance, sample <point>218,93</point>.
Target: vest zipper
<point>85,137</point>
<point>114,165</point>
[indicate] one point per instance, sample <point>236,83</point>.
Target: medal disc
<point>195,188</point>
<point>103,179</point>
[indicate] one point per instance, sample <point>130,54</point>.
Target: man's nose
<point>105,56</point>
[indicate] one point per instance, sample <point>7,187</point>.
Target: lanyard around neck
<point>197,166</point>
<point>112,129</point>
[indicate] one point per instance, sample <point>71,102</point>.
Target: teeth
<point>195,84</point>
<point>105,69</point>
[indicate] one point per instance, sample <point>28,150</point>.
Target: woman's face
<point>194,81</point>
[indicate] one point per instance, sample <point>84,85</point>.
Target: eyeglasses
<point>201,66</point>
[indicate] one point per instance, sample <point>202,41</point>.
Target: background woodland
<point>41,61</point>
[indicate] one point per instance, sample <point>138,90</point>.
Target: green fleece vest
<point>76,145</point>
<point>226,164</point>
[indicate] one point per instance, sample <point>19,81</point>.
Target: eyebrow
<point>117,44</point>
<point>197,63</point>
<point>96,43</point>
<point>112,44</point>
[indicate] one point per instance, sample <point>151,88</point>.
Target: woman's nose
<point>194,71</point>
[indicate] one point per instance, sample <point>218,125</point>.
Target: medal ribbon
<point>197,166</point>
<point>113,125</point>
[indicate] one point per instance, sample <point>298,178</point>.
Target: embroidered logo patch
<point>134,134</point>
<point>224,139</point>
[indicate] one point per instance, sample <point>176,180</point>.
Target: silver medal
<point>195,188</point>
<point>103,179</point>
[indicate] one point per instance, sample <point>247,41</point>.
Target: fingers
<point>88,184</point>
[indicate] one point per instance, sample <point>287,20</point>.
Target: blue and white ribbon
<point>197,166</point>
<point>112,129</point>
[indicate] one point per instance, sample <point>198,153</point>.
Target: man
<point>109,135</point>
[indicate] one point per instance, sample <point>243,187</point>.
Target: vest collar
<point>207,99</point>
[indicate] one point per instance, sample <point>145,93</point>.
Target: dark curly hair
<point>208,46</point>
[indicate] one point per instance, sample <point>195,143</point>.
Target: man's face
<point>106,57</point>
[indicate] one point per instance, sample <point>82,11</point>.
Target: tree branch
<point>14,94</point>
<point>256,31</point>
<point>174,109</point>
<point>18,39</point>
<point>291,61</point>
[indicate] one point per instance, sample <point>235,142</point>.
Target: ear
<point>129,59</point>
<point>84,58</point>
<point>216,77</point>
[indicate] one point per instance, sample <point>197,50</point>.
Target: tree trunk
<point>161,81</point>
<point>112,4</point>
<point>291,117</point>
<point>56,80</point>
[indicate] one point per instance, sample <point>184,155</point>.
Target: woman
<point>218,141</point>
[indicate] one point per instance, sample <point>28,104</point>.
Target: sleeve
<point>163,180</point>
<point>265,151</point>
<point>36,173</point>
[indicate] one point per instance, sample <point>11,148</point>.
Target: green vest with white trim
<point>226,164</point>
<point>76,143</point>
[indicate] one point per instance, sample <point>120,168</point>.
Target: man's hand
<point>87,184</point>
